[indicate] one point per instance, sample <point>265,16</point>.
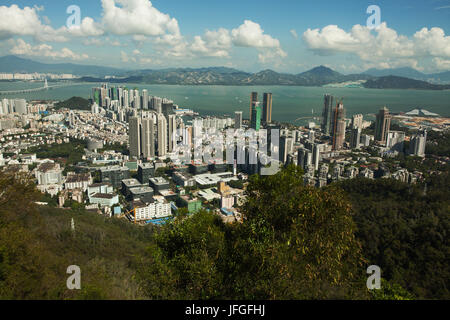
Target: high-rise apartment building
<point>145,99</point>
<point>267,108</point>
<point>357,121</point>
<point>338,126</point>
<point>162,135</point>
<point>135,137</point>
<point>172,127</point>
<point>417,144</point>
<point>148,138</point>
<point>238,120</point>
<point>382,125</point>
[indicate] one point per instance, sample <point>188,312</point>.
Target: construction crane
<point>129,216</point>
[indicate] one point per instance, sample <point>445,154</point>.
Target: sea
<point>291,104</point>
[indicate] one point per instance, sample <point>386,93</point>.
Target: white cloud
<point>87,28</point>
<point>294,33</point>
<point>213,44</point>
<point>266,56</point>
<point>23,22</point>
<point>20,47</point>
<point>250,34</point>
<point>124,57</point>
<point>382,47</point>
<point>136,17</point>
<point>441,64</point>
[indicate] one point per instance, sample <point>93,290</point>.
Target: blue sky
<point>287,36</point>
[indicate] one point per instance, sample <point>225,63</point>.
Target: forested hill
<point>74,103</point>
<point>393,82</point>
<point>296,242</point>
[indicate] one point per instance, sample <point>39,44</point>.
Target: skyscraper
<point>267,108</point>
<point>418,144</point>
<point>326,114</point>
<point>135,137</point>
<point>256,117</point>
<point>145,99</point>
<point>172,127</point>
<point>395,140</point>
<point>253,100</point>
<point>382,125</point>
<point>338,126</point>
<point>238,120</point>
<point>162,135</point>
<point>357,121</point>
<point>148,138</point>
<point>355,138</point>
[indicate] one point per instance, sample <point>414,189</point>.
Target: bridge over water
<point>45,87</point>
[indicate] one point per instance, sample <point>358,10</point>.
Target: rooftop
<point>103,196</point>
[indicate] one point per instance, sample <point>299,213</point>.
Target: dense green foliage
<point>74,103</point>
<point>70,153</point>
<point>405,231</point>
<point>438,143</point>
<point>295,242</point>
<point>37,245</point>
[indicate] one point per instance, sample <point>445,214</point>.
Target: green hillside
<point>74,103</point>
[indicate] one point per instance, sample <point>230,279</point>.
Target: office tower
<point>172,127</point>
<point>417,144</point>
<point>144,102</point>
<point>382,125</point>
<point>326,114</point>
<point>135,137</point>
<point>96,95</point>
<point>338,126</point>
<point>355,137</point>
<point>253,100</point>
<point>357,121</point>
<point>256,117</point>
<point>267,108</point>
<point>148,138</point>
<point>162,135</point>
<point>238,120</point>
<point>20,105</point>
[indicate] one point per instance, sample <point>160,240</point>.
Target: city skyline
<point>284,36</point>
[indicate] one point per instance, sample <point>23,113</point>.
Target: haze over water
<point>289,103</point>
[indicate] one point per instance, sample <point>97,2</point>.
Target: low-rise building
<point>104,199</point>
<point>78,181</point>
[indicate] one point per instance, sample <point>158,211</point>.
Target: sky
<point>251,35</point>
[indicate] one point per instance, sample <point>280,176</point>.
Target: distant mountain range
<point>437,78</point>
<point>13,64</point>
<point>402,78</point>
